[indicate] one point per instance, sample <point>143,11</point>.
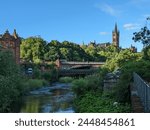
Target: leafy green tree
<point>10,88</point>
<point>119,59</point>
<point>52,51</point>
<point>143,36</point>
<point>33,49</point>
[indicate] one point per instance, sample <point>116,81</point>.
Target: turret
<point>15,34</point>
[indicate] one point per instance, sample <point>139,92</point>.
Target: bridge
<point>77,72</point>
<point>63,64</point>
<point>72,68</point>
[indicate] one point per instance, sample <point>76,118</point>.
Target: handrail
<point>143,90</point>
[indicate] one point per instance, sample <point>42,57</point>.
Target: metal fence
<point>143,91</point>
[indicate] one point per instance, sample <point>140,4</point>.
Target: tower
<point>12,43</point>
<point>115,36</point>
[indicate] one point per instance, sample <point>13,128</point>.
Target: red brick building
<point>12,43</point>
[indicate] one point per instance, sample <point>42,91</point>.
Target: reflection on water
<point>57,98</point>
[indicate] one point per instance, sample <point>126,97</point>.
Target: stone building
<point>115,36</point>
<point>133,49</point>
<point>12,43</point>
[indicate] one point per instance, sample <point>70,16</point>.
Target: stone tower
<point>12,43</point>
<point>115,36</point>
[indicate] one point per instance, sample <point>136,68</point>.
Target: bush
<point>47,76</point>
<point>32,84</point>
<point>10,90</point>
<point>8,93</point>
<point>97,103</point>
<point>89,83</point>
<point>121,91</point>
<point>79,86</point>
<point>36,73</point>
<point>51,75</point>
<point>66,79</point>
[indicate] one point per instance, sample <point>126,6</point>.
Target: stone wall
<point>109,84</point>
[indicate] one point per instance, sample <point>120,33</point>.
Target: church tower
<point>115,37</point>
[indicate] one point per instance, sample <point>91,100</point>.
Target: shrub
<point>66,79</point>
<point>47,76</point>
<point>10,90</point>
<point>95,102</point>
<point>51,75</point>
<point>8,93</point>
<point>32,84</point>
<point>36,73</point>
<point>89,83</point>
<point>79,86</point>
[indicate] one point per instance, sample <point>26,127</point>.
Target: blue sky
<point>75,20</point>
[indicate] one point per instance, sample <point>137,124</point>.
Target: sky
<point>77,21</point>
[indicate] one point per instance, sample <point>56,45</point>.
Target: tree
<point>143,36</point>
<point>119,59</point>
<point>33,49</point>
<point>9,81</point>
<point>52,51</point>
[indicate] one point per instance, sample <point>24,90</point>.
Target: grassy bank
<point>66,79</point>
<point>32,84</point>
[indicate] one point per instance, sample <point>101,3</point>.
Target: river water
<point>54,99</point>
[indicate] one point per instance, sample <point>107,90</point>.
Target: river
<point>56,98</point>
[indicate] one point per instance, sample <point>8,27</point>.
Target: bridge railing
<point>82,63</point>
<point>143,91</point>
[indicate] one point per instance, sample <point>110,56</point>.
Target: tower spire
<point>115,36</point>
<point>15,34</point>
<point>116,30</point>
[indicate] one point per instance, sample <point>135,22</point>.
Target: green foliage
<point>121,91</point>
<point>79,86</point>
<point>95,102</point>
<point>47,76</point>
<point>141,67</point>
<point>66,79</point>
<point>8,66</point>
<point>8,93</point>
<point>10,89</point>
<point>146,53</point>
<point>90,83</point>
<point>33,49</point>
<point>121,58</point>
<point>51,75</point>
<point>32,84</point>
<point>37,73</point>
<point>65,50</point>
<point>143,36</point>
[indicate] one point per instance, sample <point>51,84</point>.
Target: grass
<point>66,79</point>
<point>32,84</point>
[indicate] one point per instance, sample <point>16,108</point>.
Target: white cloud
<point>107,9</point>
<point>103,33</point>
<point>131,26</point>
